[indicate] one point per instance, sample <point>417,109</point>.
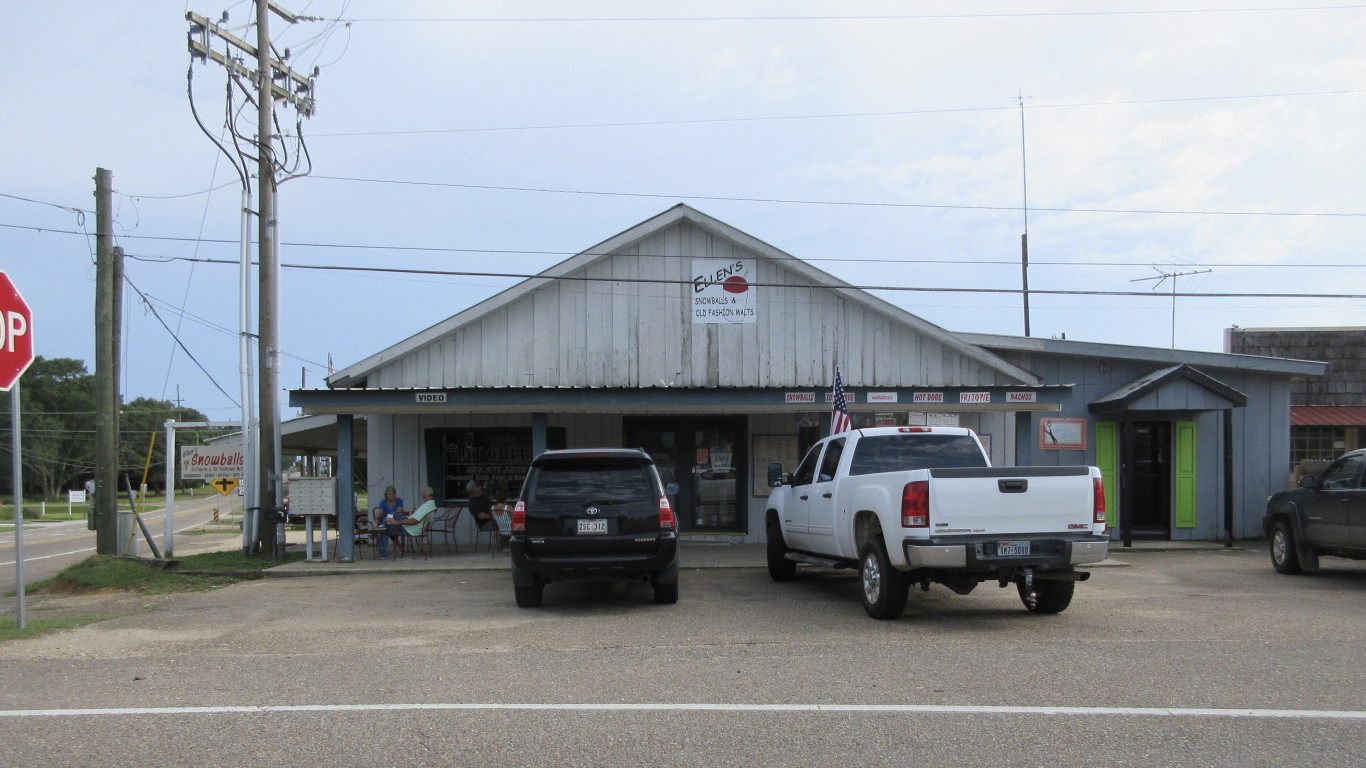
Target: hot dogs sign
<point>723,291</point>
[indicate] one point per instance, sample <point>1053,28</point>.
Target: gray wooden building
<point>1328,413</point>
<point>716,351</point>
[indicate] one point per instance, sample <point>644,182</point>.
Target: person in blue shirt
<point>389,513</point>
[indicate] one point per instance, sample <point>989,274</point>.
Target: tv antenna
<point>1161,278</point>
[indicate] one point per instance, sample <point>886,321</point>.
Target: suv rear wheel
<point>529,596</point>
<point>665,584</point>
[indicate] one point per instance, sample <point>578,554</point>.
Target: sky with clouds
<point>883,142</point>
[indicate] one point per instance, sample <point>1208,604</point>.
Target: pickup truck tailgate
<point>973,500</point>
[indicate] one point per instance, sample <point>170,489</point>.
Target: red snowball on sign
<point>735,284</point>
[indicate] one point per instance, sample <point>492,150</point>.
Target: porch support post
<point>1228,477</point>
<point>1126,486</point>
<point>538,433</point>
<point>346,509</point>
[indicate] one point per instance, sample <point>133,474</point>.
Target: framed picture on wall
<point>1062,434</point>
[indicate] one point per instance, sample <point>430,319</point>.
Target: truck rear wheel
<point>884,587</point>
<point>779,567</point>
<point>1049,596</point>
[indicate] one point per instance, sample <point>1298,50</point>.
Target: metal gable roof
<point>355,374</point>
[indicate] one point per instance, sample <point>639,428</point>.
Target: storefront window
<point>1316,444</point>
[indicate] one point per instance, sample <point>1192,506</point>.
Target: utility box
<point>312,496</point>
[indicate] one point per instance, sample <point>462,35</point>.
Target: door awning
<point>1179,388</point>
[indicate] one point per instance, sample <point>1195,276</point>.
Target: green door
<point>1184,462</point>
<point>1107,460</point>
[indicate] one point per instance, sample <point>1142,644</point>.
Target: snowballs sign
<point>722,291</point>
<point>210,462</point>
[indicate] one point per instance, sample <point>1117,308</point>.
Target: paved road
<point>50,547</point>
<point>1186,658</point>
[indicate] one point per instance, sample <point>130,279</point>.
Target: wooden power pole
<point>106,371</point>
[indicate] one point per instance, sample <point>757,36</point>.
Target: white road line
<point>156,536</point>
<point>1283,714</point>
<point>49,557</point>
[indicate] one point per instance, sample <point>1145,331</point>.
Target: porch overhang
<point>673,400</point>
<point>1178,388</point>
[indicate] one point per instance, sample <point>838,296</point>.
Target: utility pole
<point>1161,276</point>
<point>106,372</point>
<point>1024,238</point>
<point>274,82</point>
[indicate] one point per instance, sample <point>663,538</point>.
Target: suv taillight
<point>519,517</point>
<point>915,505</point>
<point>1099,503</point>
<point>667,522</point>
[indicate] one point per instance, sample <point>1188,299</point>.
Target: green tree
<point>139,421</point>
<point>57,419</point>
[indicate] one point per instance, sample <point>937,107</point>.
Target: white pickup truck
<point>908,505</point>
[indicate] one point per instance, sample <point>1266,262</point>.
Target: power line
<point>666,281</point>
<point>564,254</point>
<point>827,17</point>
<point>850,203</point>
<point>180,343</point>
<point>830,116</point>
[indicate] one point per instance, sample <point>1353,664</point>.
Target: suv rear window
<point>893,453</point>
<point>596,483</point>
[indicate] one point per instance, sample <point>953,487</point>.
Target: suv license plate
<point>1007,548</point>
<point>592,526</point>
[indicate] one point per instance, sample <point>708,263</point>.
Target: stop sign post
<point>16,336</point>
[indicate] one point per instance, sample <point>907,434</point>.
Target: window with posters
<point>498,458</point>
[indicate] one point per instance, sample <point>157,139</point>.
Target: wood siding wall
<point>608,332</point>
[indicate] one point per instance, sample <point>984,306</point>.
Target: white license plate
<point>592,526</point>
<point>1010,548</point>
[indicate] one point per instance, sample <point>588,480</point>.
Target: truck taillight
<point>1099,504</point>
<point>667,522</point>
<point>519,517</point>
<point>915,505</point>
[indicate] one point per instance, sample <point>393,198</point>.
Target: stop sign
<point>16,334</point>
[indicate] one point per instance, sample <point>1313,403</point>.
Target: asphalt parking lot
<point>1202,657</point>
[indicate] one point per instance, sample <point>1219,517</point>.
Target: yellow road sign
<point>225,485</point>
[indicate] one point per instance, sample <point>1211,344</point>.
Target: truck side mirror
<point>775,475</point>
<point>671,489</point>
<point>1308,481</point>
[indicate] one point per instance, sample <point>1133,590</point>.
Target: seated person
<point>502,518</point>
<point>389,510</point>
<point>502,511</point>
<point>481,506</point>
<point>413,523</point>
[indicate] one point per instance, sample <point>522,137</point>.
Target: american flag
<point>839,410</point>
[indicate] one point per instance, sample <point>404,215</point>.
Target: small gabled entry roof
<point>1179,388</point>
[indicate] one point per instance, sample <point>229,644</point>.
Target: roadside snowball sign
<point>16,334</point>
<point>211,462</point>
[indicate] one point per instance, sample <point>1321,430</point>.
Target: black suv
<point>598,514</point>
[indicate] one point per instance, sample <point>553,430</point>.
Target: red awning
<point>1327,415</point>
